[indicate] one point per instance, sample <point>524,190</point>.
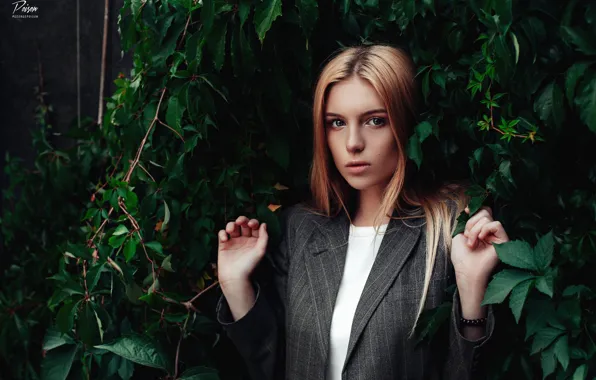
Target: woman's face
<point>358,129</point>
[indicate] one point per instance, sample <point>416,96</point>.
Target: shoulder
<point>295,216</point>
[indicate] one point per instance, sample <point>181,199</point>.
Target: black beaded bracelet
<point>473,322</point>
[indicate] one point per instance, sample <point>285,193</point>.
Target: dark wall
<point>51,40</point>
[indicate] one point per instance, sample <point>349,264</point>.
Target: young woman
<point>356,266</point>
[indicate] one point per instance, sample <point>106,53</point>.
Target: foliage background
<point>112,241</point>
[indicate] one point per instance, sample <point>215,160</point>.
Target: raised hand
<point>239,254</point>
<point>472,252</point>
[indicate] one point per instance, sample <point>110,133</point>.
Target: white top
<point>359,260</point>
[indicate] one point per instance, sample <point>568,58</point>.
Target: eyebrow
<point>379,110</point>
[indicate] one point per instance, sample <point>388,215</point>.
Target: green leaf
<point>414,150</point>
<point>242,195</point>
<point>79,250</point>
<point>217,44</point>
<point>200,373</point>
<point>155,245</point>
<point>572,77</point>
<point>87,325</point>
<point>139,349</point>
<point>516,253</point>
<point>116,241</point>
<point>431,320</point>
<point>174,113</point>
<point>57,363</point>
<point>581,372</point>
<point>134,292</point>
<point>154,287</point>
<point>439,77</point>
<point>516,46</point>
<point>265,13</point>
<point>54,339</point>
<point>309,13</point>
<point>121,229</point>
<point>544,338</point>
<point>583,41</point>
<point>562,351</point>
<point>502,283</point>
<point>423,130</point>
<point>545,283</point>
<point>548,361</point>
<point>130,249</point>
<point>166,218</point>
<point>90,213</point>
<point>166,264</point>
<point>93,275</point>
<point>549,104</point>
<point>126,369</point>
<point>573,290</point>
<point>243,11</point>
<point>586,101</point>
<point>66,315</point>
<point>207,15</point>
<point>518,298</point>
<point>543,251</point>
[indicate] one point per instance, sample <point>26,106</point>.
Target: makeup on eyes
<point>366,117</point>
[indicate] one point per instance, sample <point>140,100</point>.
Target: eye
<point>377,121</point>
<point>335,123</point>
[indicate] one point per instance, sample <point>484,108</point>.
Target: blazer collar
<point>325,261</point>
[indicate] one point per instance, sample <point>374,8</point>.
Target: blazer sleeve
<point>259,335</point>
<point>463,355</point>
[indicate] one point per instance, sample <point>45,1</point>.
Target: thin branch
<point>178,354</point>
<point>137,228</point>
<point>90,242</point>
<point>172,129</point>
<point>145,170</point>
<point>111,176</point>
<point>142,145</point>
<point>200,293</point>
<point>104,49</point>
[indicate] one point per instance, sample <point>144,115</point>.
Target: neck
<point>368,205</point>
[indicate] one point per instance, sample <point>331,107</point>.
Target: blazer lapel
<point>325,259</point>
<point>395,249</point>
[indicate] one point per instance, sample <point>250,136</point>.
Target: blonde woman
<point>358,263</point>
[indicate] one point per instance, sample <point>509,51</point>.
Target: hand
<point>472,252</point>
<point>239,254</point>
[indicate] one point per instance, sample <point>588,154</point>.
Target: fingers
<point>484,212</point>
<point>263,239</point>
<point>495,229</point>
<point>473,233</point>
<point>222,235</point>
<point>242,226</point>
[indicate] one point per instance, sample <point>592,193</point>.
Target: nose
<point>355,141</point>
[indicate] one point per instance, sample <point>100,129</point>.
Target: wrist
<point>470,297</point>
<point>234,285</point>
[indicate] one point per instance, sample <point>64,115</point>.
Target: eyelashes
<point>374,121</point>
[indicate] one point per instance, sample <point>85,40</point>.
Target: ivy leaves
<point>546,325</point>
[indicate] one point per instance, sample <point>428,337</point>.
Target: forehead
<point>353,95</point>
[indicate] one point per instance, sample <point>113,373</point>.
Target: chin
<point>358,183</point>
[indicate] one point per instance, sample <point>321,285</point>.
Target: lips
<point>357,163</point>
<point>357,168</point>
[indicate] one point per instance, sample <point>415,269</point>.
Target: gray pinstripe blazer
<point>285,335</point>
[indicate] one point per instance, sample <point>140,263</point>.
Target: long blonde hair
<point>392,73</point>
